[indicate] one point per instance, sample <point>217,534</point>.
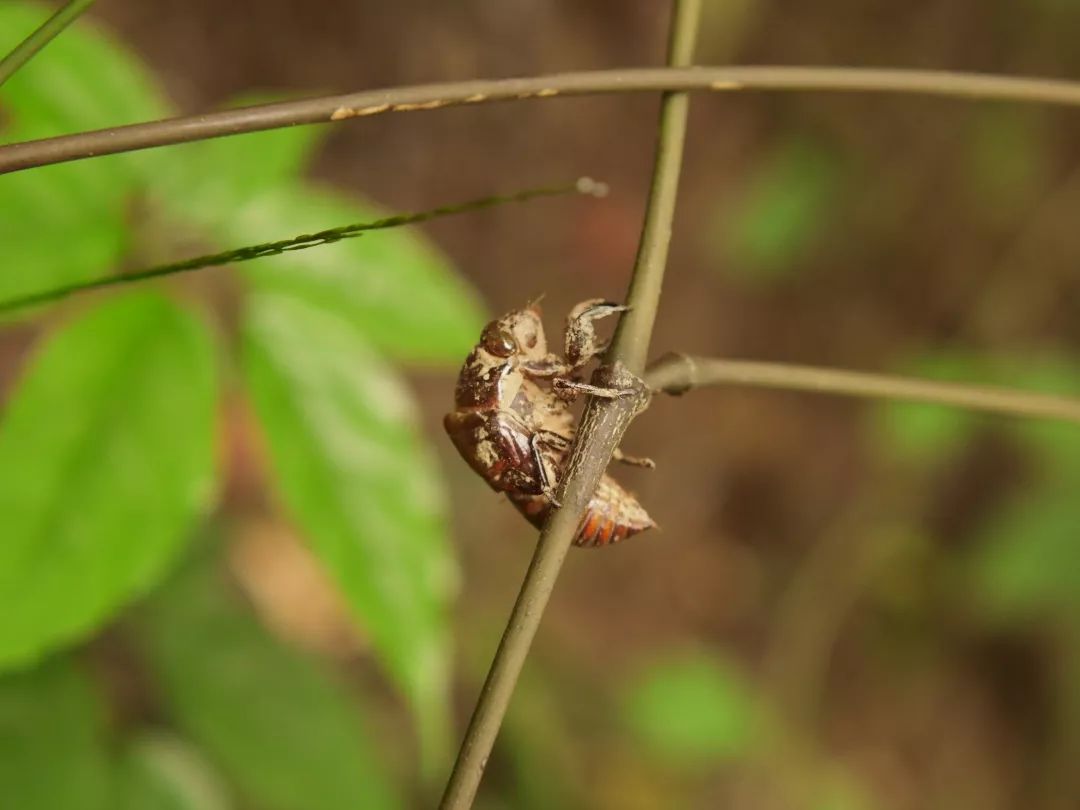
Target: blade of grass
<point>302,242</point>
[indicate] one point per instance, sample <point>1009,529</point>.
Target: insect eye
<point>498,341</point>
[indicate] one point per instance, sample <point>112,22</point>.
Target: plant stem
<point>631,341</point>
<point>675,374</point>
<point>14,157</point>
<point>28,48</point>
<point>602,426</point>
<point>584,185</point>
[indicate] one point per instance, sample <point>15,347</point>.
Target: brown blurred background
<point>854,231</point>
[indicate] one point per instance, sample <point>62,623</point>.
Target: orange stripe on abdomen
<point>613,514</point>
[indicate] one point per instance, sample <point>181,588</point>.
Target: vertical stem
<point>45,34</point>
<point>602,426</point>
<point>631,344</point>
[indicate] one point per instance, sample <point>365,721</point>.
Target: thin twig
<point>28,48</point>
<point>631,342</point>
<point>602,426</point>
<point>583,186</point>
<point>433,96</point>
<point>675,374</point>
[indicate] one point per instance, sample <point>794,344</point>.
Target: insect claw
<point>595,390</point>
<point>582,343</point>
<point>633,461</point>
<point>606,308</point>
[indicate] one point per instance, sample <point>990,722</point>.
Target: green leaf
<point>1055,445</point>
<point>106,458</point>
<point>205,181</point>
<point>913,433</point>
<point>788,204</point>
<point>159,772</point>
<point>287,735</point>
<point>52,751</point>
<point>1028,561</point>
<point>67,223</point>
<point>355,474</point>
<point>393,286</point>
<point>692,709</point>
<point>541,750</point>
<point>929,434</point>
<point>923,433</point>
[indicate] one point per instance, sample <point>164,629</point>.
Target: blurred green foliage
<point>544,762</point>
<point>274,722</point>
<point>397,291</point>
<point>53,752</point>
<point>688,718</point>
<point>111,428</point>
<point>163,772</point>
<point>785,206</point>
<point>106,469</point>
<point>1029,556</point>
<point>107,452</point>
<point>926,435</point>
<point>1025,560</point>
<point>83,80</point>
<point>353,471</point>
<point>394,287</point>
<point>691,709</point>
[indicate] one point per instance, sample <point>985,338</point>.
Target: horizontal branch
<point>676,373</point>
<point>14,157</point>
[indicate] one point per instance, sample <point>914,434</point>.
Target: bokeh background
<point>846,606</point>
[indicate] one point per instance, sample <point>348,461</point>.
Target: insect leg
<point>582,344</point>
<point>556,441</point>
<point>633,461</point>
<point>561,443</point>
<point>548,477</point>
<point>551,366</point>
<point>564,386</point>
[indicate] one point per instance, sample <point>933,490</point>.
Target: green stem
<point>28,48</point>
<point>631,342</point>
<point>302,242</point>
<point>602,426</point>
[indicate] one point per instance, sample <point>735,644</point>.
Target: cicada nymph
<point>513,425</point>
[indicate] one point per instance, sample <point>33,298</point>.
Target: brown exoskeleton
<point>512,423</point>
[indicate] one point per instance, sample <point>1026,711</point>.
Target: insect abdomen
<point>613,514</point>
<point>497,447</point>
